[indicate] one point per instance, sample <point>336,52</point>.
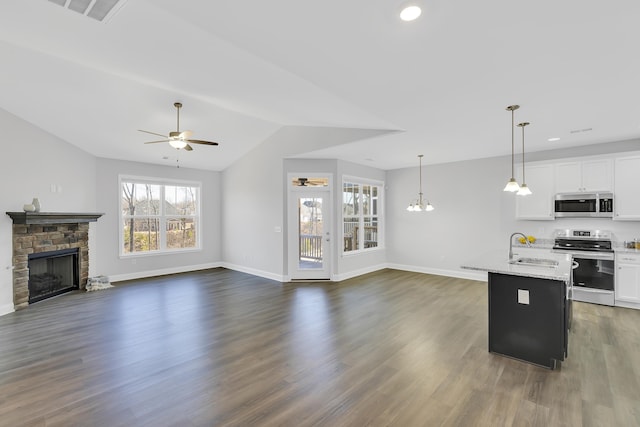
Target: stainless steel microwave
<point>584,205</point>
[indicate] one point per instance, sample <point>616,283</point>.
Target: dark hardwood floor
<point>219,347</point>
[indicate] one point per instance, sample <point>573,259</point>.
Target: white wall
<point>472,214</point>
<point>252,207</point>
<point>32,161</point>
<point>350,265</point>
<point>243,204</point>
<point>256,182</point>
<point>108,261</point>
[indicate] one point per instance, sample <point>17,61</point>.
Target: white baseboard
<point>6,309</point>
<point>356,273</point>
<point>470,275</point>
<point>255,272</point>
<point>627,304</point>
<point>162,272</point>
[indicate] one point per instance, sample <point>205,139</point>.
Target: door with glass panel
<point>310,231</point>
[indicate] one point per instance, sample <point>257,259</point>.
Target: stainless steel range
<point>593,267</point>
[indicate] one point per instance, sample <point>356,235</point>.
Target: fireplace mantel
<point>52,217</point>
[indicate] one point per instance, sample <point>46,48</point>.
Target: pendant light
<point>419,205</point>
<point>524,190</point>
<point>512,185</point>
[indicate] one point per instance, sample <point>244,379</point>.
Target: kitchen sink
<point>535,262</point>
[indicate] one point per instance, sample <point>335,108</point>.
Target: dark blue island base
<point>528,318</point>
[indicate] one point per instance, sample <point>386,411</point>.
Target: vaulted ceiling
<point>243,70</point>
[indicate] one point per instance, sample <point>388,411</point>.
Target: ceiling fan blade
<point>188,147</point>
<point>153,142</point>
<point>197,141</point>
<point>185,134</point>
<point>152,133</point>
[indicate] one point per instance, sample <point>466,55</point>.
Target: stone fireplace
<point>44,239</point>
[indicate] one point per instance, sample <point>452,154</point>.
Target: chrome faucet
<point>511,243</point>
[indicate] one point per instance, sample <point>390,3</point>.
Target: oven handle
<point>586,255</point>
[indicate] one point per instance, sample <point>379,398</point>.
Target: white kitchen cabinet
<point>628,280</point>
<point>626,196</point>
<point>584,176</point>
<point>539,204</point>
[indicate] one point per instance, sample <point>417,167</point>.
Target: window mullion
<point>162,221</point>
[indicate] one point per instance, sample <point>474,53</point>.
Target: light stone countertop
<point>623,250</point>
<point>497,262</point>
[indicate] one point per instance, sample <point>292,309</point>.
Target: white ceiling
<point>244,69</point>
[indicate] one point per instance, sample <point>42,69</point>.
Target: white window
<point>158,216</point>
<point>361,215</point>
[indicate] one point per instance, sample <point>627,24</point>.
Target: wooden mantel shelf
<point>52,217</point>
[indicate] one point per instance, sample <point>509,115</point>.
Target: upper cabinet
<point>626,197</point>
<point>539,204</point>
<point>584,176</point>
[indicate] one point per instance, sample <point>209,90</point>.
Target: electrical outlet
<point>523,296</point>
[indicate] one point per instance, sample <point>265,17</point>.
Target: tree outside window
<point>158,217</point>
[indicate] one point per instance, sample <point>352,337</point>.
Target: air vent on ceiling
<point>100,10</point>
<point>581,130</point>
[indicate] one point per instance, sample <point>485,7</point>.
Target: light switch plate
<point>523,296</point>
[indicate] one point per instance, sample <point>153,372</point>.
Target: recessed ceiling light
<point>410,13</point>
<point>553,139</point>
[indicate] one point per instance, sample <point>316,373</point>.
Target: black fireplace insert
<point>52,273</point>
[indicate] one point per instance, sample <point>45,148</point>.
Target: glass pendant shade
<point>512,185</point>
<point>524,190</point>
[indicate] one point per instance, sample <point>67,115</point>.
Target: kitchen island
<point>529,306</point>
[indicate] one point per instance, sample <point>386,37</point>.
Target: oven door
<point>593,272</point>
<point>593,276</point>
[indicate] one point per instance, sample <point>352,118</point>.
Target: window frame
<point>379,216</point>
<point>162,216</point>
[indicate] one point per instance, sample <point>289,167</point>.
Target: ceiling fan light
<point>177,143</point>
<point>410,13</point>
<point>512,185</point>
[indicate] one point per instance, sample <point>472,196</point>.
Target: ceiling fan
<point>178,139</point>
<point>310,182</point>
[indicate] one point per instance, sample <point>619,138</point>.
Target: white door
<point>310,234</point>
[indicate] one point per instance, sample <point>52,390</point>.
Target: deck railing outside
<point>310,247</point>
